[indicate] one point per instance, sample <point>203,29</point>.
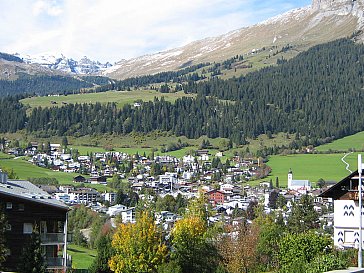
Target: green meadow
<point>311,167</point>
<point>119,97</point>
<point>25,170</point>
<point>344,144</point>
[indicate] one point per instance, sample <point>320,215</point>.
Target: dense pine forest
<point>44,85</point>
<point>318,94</point>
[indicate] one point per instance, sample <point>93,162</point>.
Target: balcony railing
<point>54,238</point>
<point>53,262</point>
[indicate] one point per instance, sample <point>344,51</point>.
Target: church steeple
<point>290,177</point>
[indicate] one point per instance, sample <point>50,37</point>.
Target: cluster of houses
<point>189,176</point>
<point>107,164</point>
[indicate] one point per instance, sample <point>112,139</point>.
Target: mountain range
<point>322,21</point>
<point>62,63</point>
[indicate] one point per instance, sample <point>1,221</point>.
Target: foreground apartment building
<point>27,207</point>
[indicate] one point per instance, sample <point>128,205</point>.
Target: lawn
<point>344,144</point>
<point>25,170</point>
<point>119,97</point>
<point>310,166</point>
<point>82,257</point>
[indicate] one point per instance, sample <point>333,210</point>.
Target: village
<point>225,185</point>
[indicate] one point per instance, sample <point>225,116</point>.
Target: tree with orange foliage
<point>138,247</point>
<point>238,248</point>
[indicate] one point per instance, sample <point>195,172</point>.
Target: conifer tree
<point>32,258</point>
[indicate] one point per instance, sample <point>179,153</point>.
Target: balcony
<point>58,262</point>
<point>54,238</point>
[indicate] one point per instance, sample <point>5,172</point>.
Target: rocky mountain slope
<point>323,21</point>
<point>62,63</point>
<point>14,66</point>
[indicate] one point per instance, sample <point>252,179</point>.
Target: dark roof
<point>340,188</point>
<point>27,191</point>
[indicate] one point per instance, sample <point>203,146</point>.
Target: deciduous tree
<point>138,247</point>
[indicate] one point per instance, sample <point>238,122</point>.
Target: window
<point>348,236</point>
<point>27,228</point>
<point>9,205</point>
<point>21,207</point>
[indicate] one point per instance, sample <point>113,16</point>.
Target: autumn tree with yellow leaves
<point>138,247</point>
<point>192,247</point>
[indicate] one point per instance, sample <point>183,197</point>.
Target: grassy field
<point>25,170</point>
<point>82,257</point>
<point>344,144</point>
<point>311,167</point>
<point>119,97</point>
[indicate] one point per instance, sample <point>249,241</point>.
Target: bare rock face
<point>342,5</point>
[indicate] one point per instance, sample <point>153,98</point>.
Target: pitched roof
<point>27,191</point>
<point>340,188</point>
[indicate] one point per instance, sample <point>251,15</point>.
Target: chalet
<point>216,196</point>
<point>346,210</point>
<point>98,180</point>
<point>79,179</point>
<point>26,206</point>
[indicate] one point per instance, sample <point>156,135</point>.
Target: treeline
<point>44,85</point>
<point>189,117</point>
<point>193,118</point>
<point>317,94</point>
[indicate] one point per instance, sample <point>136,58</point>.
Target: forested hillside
<point>318,94</point>
<point>44,85</point>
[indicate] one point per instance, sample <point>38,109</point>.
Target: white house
<point>115,210</point>
<point>168,178</point>
<point>61,196</point>
<point>127,214</point>
<point>188,159</point>
<point>110,197</point>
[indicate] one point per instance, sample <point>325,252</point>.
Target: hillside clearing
<point>119,97</point>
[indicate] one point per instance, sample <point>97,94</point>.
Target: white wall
<point>346,223</point>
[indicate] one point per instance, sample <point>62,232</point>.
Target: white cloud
<point>50,8</point>
<point>116,29</point>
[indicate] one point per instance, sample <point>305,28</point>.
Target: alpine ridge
<point>302,28</point>
<point>62,63</point>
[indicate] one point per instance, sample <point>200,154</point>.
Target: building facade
<point>346,211</point>
<point>27,208</point>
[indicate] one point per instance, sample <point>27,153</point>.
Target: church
<point>302,186</point>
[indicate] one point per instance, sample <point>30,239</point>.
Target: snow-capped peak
<point>62,63</point>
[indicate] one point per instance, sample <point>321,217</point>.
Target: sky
<point>111,30</point>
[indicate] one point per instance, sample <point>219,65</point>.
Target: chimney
<point>3,178</point>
